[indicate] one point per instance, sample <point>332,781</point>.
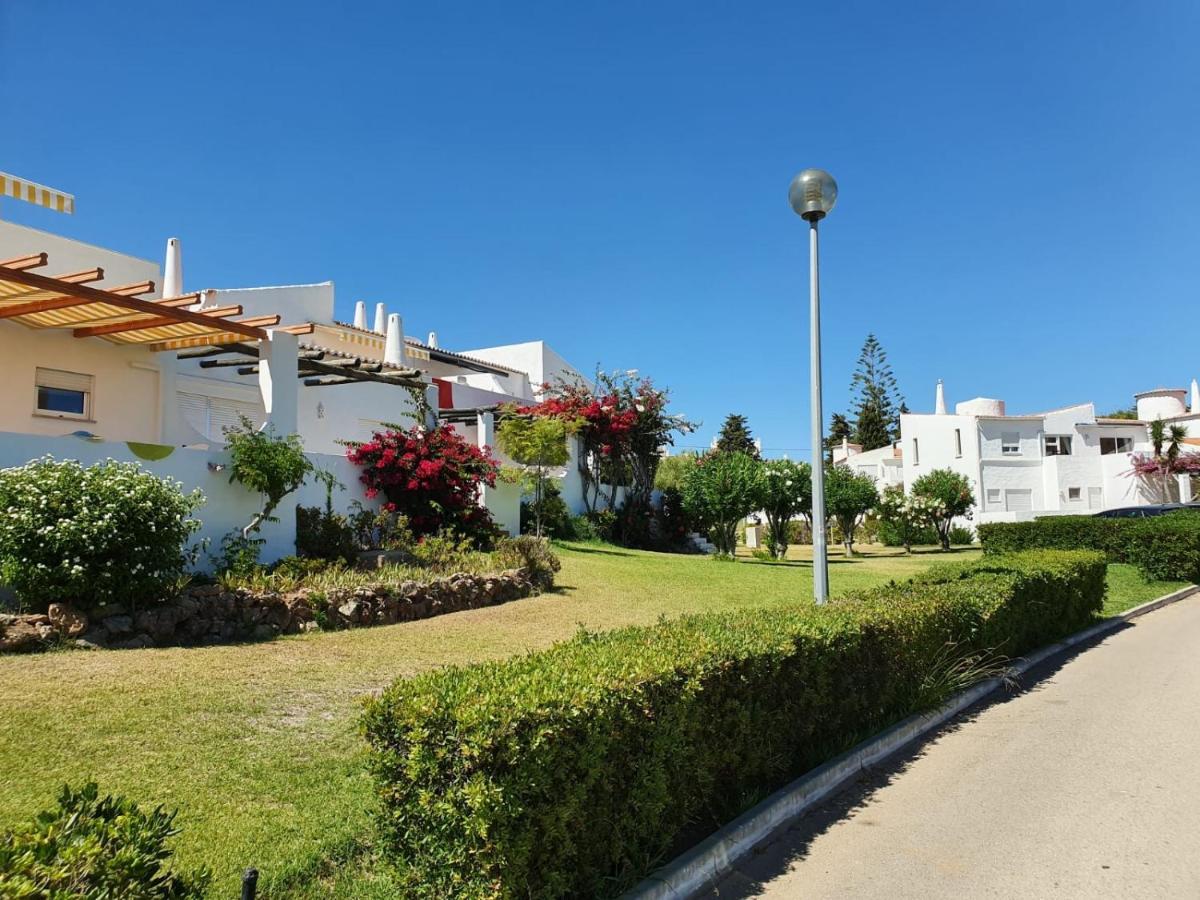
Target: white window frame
<point>916,452</point>
<point>958,443</point>
<point>1056,441</point>
<point>995,498</point>
<point>60,379</point>
<point>1010,447</point>
<point>1078,495</point>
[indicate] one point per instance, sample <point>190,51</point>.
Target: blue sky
<point>1020,182</point>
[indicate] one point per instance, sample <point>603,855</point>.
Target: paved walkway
<point>1086,783</point>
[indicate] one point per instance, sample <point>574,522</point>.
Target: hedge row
<point>1162,547</point>
<point>574,771</point>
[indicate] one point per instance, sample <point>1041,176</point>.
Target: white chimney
<point>432,342</point>
<point>1195,408</point>
<point>393,348</point>
<point>172,285</point>
<point>380,319</point>
<point>939,405</point>
<point>360,315</point>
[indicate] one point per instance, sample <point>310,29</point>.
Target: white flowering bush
<point>108,533</point>
<point>909,514</point>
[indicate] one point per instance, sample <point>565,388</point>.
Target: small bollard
<point>249,884</point>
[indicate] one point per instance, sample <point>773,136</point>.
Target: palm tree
<point>1172,437</point>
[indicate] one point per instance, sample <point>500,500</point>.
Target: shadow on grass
<point>602,549</point>
<point>790,843</point>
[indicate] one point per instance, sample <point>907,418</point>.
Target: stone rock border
<point>208,614</point>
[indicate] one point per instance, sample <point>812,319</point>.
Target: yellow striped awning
<point>30,192</point>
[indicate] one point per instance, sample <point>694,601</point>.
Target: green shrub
<point>1057,533</point>
<point>92,848</point>
<point>573,771</point>
<point>1166,548</point>
<point>531,553</point>
<point>892,535</point>
<point>323,534</point>
<point>960,536</point>
<point>556,517</point>
<point>92,535</point>
<point>1160,546</point>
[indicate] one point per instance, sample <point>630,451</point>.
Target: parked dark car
<point>1142,512</point>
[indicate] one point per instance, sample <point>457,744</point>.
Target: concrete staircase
<point>701,543</point>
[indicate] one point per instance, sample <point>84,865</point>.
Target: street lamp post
<point>812,195</point>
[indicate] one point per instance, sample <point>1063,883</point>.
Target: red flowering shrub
<point>432,477</point>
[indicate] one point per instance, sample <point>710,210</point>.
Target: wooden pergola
<point>316,366</point>
<point>119,314</point>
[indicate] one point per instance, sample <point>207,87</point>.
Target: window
<point>64,394</point>
<point>1010,444</point>
<point>1074,495</point>
<point>1058,445</point>
<point>958,442</point>
<point>916,453</point>
<point>993,497</point>
<point>1111,445</point>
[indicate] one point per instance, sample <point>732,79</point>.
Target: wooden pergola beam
<point>217,312</point>
<point>86,276</point>
<point>94,295</point>
<point>30,261</point>
<point>65,302</point>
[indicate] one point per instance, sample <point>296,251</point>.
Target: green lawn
<point>256,744</point>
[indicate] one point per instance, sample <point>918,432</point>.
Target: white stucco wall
<point>125,384</point>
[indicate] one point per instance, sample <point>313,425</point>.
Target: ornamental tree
<point>433,477</point>
<point>621,424</point>
<point>786,493</point>
<point>536,443</point>
<point>270,464</point>
<point>908,513</point>
<point>951,492</point>
<point>849,496</point>
<point>722,490</point>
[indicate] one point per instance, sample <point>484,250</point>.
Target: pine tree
<point>903,411</point>
<point>839,430</point>
<point>876,412</point>
<point>735,436</point>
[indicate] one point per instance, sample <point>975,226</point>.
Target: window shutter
<point>63,381</point>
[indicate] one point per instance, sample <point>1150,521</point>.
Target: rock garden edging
<point>209,614</point>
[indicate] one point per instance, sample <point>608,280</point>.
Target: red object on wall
<point>445,393</point>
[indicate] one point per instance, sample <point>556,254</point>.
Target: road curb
<point>716,854</point>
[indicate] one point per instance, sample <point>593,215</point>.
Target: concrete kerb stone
<point>716,854</point>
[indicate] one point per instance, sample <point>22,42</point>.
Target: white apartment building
<point>1020,466</point>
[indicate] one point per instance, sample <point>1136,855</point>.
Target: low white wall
<point>230,506</point>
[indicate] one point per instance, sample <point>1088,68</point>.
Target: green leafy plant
<point>950,491</point>
<point>907,519</point>
<point>849,496</point>
<point>637,739</point>
<point>533,554</point>
<point>536,443</point>
<point>269,464</point>
<point>722,490</point>
<point>93,848</point>
<point>93,535</point>
<point>786,494</point>
<point>1166,548</point>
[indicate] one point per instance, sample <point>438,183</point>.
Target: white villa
<point>100,361</point>
<point>1021,466</point>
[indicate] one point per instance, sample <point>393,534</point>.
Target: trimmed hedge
<point>1166,548</point>
<point>575,770</point>
<point>1058,533</point>
<point>1162,547</point>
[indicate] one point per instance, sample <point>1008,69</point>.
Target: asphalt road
<point>1083,783</point>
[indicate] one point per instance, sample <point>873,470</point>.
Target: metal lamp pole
<point>812,195</point>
